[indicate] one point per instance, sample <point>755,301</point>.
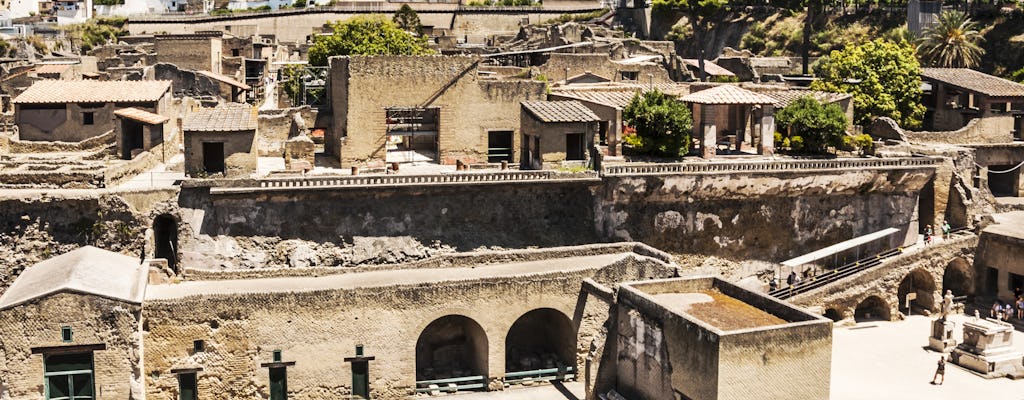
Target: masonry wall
<point>363,87</point>
<point>990,129</point>
<point>240,154</point>
<point>318,329</point>
<point>93,320</point>
<point>601,64</point>
<point>553,142</point>
<point>791,362</point>
<point>1003,251</point>
<point>35,124</point>
<point>199,53</point>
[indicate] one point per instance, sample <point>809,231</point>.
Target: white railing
<point>386,180</point>
<point>767,166</point>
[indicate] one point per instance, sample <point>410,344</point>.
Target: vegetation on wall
<point>96,32</point>
<point>366,36</point>
<point>661,123</point>
<point>818,126</point>
<point>703,15</point>
<point>884,78</point>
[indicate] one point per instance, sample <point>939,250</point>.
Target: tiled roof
<point>51,68</point>
<point>709,67</point>
<point>560,111</point>
<point>54,91</point>
<point>975,81</point>
<point>785,96</point>
<point>142,116</point>
<point>224,79</point>
<point>611,98</point>
<point>86,270</point>
<point>727,94</point>
<point>616,94</point>
<point>221,119</point>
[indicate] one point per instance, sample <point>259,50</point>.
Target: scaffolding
<point>412,133</point>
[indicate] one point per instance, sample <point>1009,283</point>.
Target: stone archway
<point>540,339</point>
<point>165,240</point>
<point>452,346</point>
<point>872,308</point>
<point>921,283</point>
<point>834,314</point>
<point>958,277</point>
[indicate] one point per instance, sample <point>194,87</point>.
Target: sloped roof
<point>90,91</point>
<point>141,115</point>
<point>52,68</point>
<point>560,111</point>
<point>727,94</point>
<point>786,96</point>
<point>611,98</point>
<point>224,79</point>
<point>221,119</point>
<point>975,81</point>
<point>709,67</point>
<point>86,270</point>
<point>587,77</point>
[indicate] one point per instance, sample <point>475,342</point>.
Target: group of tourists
<point>1004,311</point>
<point>929,233</point>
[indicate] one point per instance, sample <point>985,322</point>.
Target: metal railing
<point>846,271</point>
<point>379,180</point>
<point>541,375</point>
<point>767,166</point>
<point>476,382</point>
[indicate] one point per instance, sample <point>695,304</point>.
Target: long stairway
<point>846,271</point>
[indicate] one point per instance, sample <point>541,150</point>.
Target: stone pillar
<point>709,139</point>
<point>767,145</point>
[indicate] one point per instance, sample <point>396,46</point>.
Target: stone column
<point>767,145</point>
<point>708,146</point>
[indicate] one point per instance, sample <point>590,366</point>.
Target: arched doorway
<point>540,339</point>
<point>958,277</point>
<point>452,346</point>
<point>920,283</point>
<point>834,315</point>
<point>165,240</point>
<point>872,308</point>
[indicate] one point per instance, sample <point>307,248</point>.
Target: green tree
<point>702,15</point>
<point>96,32</point>
<point>952,42</point>
<point>884,78</point>
<point>407,19</point>
<point>299,4</point>
<point>819,125</point>
<point>662,124</point>
<point>367,36</point>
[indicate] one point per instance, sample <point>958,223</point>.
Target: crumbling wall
<point>275,127</point>
<point>991,129</point>
<point>93,320</point>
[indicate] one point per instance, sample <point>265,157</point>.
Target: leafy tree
<point>815,9</point>
<point>662,124</point>
<point>368,36</point>
<point>299,4</point>
<point>884,78</point>
<point>952,42</point>
<point>407,19</point>
<point>97,32</point>
<point>818,125</point>
<point>702,15</point>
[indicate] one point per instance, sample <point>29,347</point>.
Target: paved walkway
<point>557,391</point>
<point>888,360</point>
<point>157,177</point>
<point>354,280</point>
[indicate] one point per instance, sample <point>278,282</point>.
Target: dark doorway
<point>1016,282</point>
<point>1003,180</point>
<point>833,315</point>
<point>213,157</point>
<point>131,138</point>
<point>165,240</point>
<point>574,146</point>
<point>540,339</point>
<point>920,283</point>
<point>279,383</point>
<point>991,281</point>
<point>871,309</point>
<point>958,278</point>
<point>499,146</point>
<point>926,206</point>
<point>452,346</point>
<point>187,386</point>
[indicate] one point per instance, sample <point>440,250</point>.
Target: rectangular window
<point>279,383</point>
<point>198,346</point>
<point>87,118</point>
<point>68,376</point>
<point>630,75</point>
<point>187,387</point>
<point>499,146</point>
<point>66,335</point>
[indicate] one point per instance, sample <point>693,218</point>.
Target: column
<point>767,145</point>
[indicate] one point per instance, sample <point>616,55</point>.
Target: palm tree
<point>952,42</point>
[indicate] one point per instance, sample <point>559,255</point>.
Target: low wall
<point>993,129</point>
<point>29,146</point>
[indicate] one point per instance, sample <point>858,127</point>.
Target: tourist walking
<point>940,371</point>
<point>945,229</point>
<point>928,232</point>
<point>1020,307</point>
<point>791,279</point>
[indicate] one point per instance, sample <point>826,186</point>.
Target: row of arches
<point>957,277</point>
<point>456,346</point>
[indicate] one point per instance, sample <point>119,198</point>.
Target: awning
<point>142,116</point>
<point>839,247</point>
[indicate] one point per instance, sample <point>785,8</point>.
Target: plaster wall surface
<point>240,153</point>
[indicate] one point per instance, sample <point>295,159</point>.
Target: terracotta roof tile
<point>54,91</point>
<point>140,115</point>
<point>727,94</point>
<point>221,119</point>
<point>785,96</point>
<point>975,81</point>
<point>560,111</point>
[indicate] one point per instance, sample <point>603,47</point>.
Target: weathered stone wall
<point>318,329</point>
<point>469,107</point>
<point>197,53</point>
<point>1001,250</point>
<point>601,64</point>
<point>276,127</point>
<point>240,154</point>
<point>94,320</point>
<point>991,129</point>
<point>743,215</point>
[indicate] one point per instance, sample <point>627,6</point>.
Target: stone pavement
<point>889,360</point>
<point>557,391</point>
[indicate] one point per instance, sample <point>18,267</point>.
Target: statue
<point>947,304</point>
